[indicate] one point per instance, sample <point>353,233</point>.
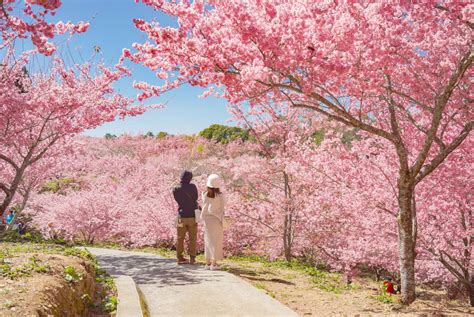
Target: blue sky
<point>112,29</point>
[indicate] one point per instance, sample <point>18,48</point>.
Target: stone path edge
<point>128,298</point>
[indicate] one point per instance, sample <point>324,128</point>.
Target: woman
<point>10,218</point>
<point>213,216</point>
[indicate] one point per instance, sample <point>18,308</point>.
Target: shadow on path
<point>152,270</point>
<point>188,290</point>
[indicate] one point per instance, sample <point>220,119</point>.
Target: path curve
<point>188,290</point>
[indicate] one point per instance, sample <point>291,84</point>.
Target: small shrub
<point>11,236</point>
<point>161,135</point>
<point>82,253</point>
<point>71,275</point>
<point>105,279</point>
<point>50,186</point>
<point>59,185</point>
<point>32,236</point>
<point>110,303</point>
<point>14,236</point>
<point>383,296</point>
<point>200,148</point>
<point>5,269</point>
<point>60,241</point>
<point>107,290</point>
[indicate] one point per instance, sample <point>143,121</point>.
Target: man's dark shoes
<point>183,261</point>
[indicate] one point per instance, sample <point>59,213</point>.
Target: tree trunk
<point>6,202</point>
<point>287,238</point>
<point>288,222</point>
<point>406,243</point>
<point>15,183</point>
<point>470,290</point>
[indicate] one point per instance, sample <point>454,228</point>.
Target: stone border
<point>128,298</point>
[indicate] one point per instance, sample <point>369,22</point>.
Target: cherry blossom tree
<point>39,112</point>
<point>277,131</point>
<point>339,216</point>
<point>28,19</point>
<point>444,206</point>
<point>398,72</point>
<point>131,176</point>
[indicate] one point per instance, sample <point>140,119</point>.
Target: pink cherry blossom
<point>40,112</point>
<point>28,20</point>
<point>400,72</point>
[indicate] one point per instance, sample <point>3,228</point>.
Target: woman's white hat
<point>213,181</point>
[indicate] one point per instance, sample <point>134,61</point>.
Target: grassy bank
<point>48,278</point>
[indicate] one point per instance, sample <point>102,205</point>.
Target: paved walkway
<point>188,290</point>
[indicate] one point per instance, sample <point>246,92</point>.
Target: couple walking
<point>212,215</point>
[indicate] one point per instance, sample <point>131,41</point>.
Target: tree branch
<point>5,188</point>
<point>438,159</point>
<point>468,23</point>
<point>398,141</point>
<point>441,102</point>
<point>9,161</point>
<point>451,269</point>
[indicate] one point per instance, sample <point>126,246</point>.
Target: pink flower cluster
<point>40,112</point>
<point>31,23</point>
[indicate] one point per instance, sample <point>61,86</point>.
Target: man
<point>186,195</point>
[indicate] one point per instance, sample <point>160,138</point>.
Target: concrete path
<point>188,290</point>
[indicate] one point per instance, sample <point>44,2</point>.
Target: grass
<point>322,279</point>
<point>10,248</point>
<point>248,258</point>
<point>25,269</point>
<point>143,303</point>
<point>264,288</point>
<point>9,304</point>
<point>384,297</point>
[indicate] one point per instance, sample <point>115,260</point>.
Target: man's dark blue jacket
<point>186,195</point>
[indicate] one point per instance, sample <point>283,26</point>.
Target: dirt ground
<point>36,284</point>
<point>324,297</point>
